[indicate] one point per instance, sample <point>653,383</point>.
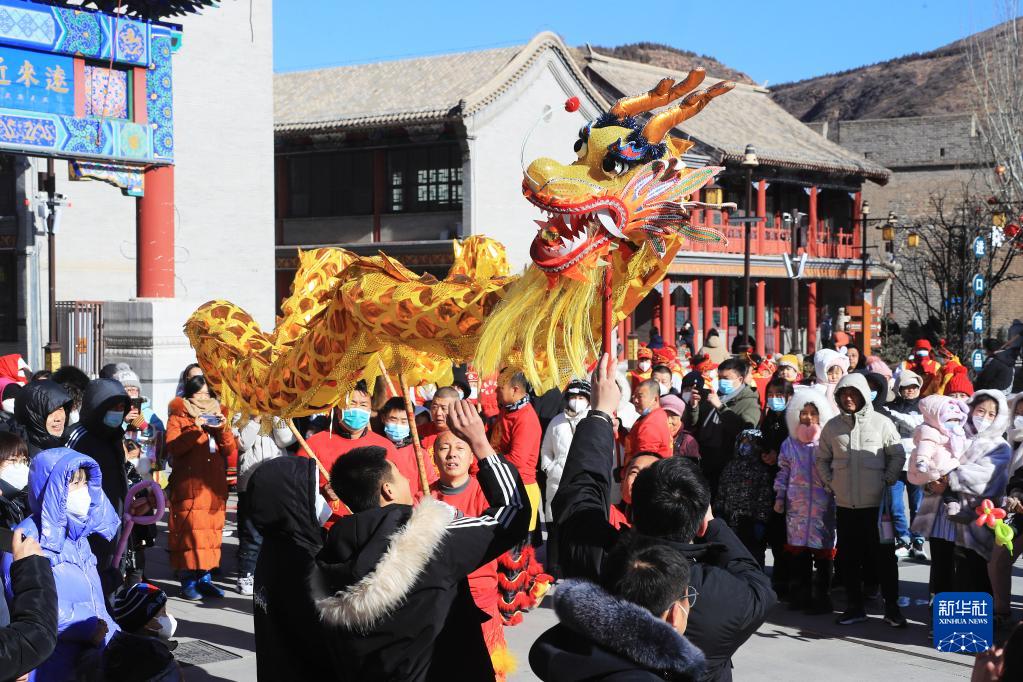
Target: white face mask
<point>78,502</point>
<point>15,475</point>
<point>577,405</point>
<point>643,365</point>
<point>168,625</point>
<point>323,511</point>
<point>665,390</point>
<point>8,406</point>
<point>982,423</point>
<point>72,417</point>
<point>686,396</point>
<point>1017,422</point>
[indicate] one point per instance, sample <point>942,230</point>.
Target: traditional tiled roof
<point>148,9</point>
<point>747,115</point>
<point>408,91</point>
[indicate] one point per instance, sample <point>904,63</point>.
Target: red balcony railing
<point>772,238</point>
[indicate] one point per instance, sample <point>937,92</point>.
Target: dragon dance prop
<point>614,220</point>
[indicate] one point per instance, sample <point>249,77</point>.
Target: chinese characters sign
<point>963,622</point>
<point>36,81</point>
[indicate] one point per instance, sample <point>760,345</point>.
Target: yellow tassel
<point>504,662</point>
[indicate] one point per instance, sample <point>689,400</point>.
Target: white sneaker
<point>245,585</point>
<point>902,553</point>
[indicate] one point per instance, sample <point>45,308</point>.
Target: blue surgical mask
<point>397,432</point>
<point>355,418</point>
<point>873,396</point>
<point>113,418</point>
<point>726,387</point>
<point>777,404</point>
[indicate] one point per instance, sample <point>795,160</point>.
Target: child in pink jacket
<point>939,441</point>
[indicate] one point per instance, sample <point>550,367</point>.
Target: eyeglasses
<point>691,595</point>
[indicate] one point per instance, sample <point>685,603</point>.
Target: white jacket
<point>554,452</point>
<point>254,449</point>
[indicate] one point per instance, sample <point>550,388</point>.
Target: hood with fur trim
<point>621,630</point>
<point>800,398</point>
<point>991,437</point>
<point>825,358</point>
<point>381,557</point>
<point>938,409</point>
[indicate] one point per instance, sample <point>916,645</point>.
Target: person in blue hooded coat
<point>68,505</point>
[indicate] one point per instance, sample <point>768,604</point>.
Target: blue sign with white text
<point>978,359</point>
<point>978,285</point>
<point>978,322</point>
<point>36,81</point>
<point>963,622</point>
<point>979,247</point>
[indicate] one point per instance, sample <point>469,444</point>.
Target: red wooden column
<point>811,228</point>
<point>708,305</point>
<point>777,295</point>
<point>758,321</point>
<point>154,226</point>
<point>857,223</point>
<point>761,213</point>
<point>667,313</point>
<point>811,317</point>
<point>694,312</point>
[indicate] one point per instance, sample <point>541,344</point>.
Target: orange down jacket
<point>197,490</point>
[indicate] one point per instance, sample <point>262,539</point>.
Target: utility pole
<point>794,282</point>
<point>750,161</point>
<point>52,347</point>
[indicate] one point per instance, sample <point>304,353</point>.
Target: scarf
<point>513,407</point>
<point>197,407</point>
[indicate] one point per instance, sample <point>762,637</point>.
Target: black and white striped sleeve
<point>475,540</point>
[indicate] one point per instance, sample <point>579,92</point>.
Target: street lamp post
<point>750,161</point>
<point>864,212</point>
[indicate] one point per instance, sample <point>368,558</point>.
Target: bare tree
<point>935,279</point>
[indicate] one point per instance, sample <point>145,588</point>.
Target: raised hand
<point>465,422</point>
<point>607,395</point>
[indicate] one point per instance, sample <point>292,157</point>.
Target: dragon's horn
<point>693,103</point>
<point>665,92</point>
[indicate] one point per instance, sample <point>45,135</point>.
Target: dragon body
<point>621,205</point>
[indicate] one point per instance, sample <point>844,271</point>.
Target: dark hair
<point>650,385</point>
<point>779,385</point>
<point>979,398</point>
<point>660,369</point>
<point>737,365</point>
<point>519,379</point>
<point>194,385</point>
<point>861,360</point>
<point>356,478</point>
<point>74,382</point>
<point>184,373</point>
<point>395,404</point>
<point>41,375</point>
<point>646,572</point>
<point>11,446</point>
<point>463,386</point>
<point>670,499</point>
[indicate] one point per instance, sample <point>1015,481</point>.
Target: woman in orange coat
<point>198,442</point>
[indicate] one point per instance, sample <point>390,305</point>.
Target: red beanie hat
<point>922,344</point>
<point>959,383</point>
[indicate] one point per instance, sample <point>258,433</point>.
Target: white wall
<point>497,208</point>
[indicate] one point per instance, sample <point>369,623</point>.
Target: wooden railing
<point>771,237</point>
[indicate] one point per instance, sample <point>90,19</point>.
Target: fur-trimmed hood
<point>800,398</point>
<point>382,553</point>
<point>627,636</point>
<point>991,437</point>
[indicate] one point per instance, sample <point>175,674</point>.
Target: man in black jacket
<point>395,598</point>
<point>669,501</point>
<point>28,636</point>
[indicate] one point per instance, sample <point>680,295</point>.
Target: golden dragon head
<point>627,183</point>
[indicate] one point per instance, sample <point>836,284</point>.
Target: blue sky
<point>771,40</point>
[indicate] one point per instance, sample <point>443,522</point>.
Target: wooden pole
<point>608,316</point>
<point>387,377</point>
<point>309,451</point>
<point>424,483</point>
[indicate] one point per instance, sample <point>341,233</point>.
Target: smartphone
<point>137,403</point>
<point>211,419</point>
<point>6,539</point>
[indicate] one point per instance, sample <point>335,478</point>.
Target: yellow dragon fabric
<point>622,204</point>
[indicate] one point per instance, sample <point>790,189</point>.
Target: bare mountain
<point>918,84</point>
<point>669,57</point>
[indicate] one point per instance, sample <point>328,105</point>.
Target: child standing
<point>68,505</point>
<point>744,493</point>
<point>808,506</point>
<point>142,649</point>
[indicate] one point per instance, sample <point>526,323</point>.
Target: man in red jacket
<point>442,400</point>
<point>518,435</point>
<point>650,433</point>
<point>349,430</point>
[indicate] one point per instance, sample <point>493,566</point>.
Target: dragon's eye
<point>580,148</point>
<point>613,167</point>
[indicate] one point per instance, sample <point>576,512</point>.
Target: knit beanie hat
<point>128,378</point>
<point>959,383</point>
<point>790,361</point>
<point>136,605</point>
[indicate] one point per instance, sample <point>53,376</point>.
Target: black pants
<point>860,545</point>
<point>753,535</point>
<point>971,572</point>
<point>249,539</point>
<point>776,539</point>
<point>943,566</point>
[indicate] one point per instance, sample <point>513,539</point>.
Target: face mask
<point>397,432</point>
<point>113,418</point>
<point>73,417</point>
<point>322,510</point>
<point>8,406</point>
<point>808,433</point>
<point>1017,422</point>
<point>686,395</point>
<point>78,502</point>
<point>168,624</point>
<point>355,418</point>
<point>922,354</point>
<point>644,365</point>
<point>665,390</point>
<point>953,427</point>
<point>777,404</point>
<point>461,394</point>
<point>873,396</point>
<point>577,405</point>
<point>15,475</point>
<point>982,423</point>
<point>726,387</point>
